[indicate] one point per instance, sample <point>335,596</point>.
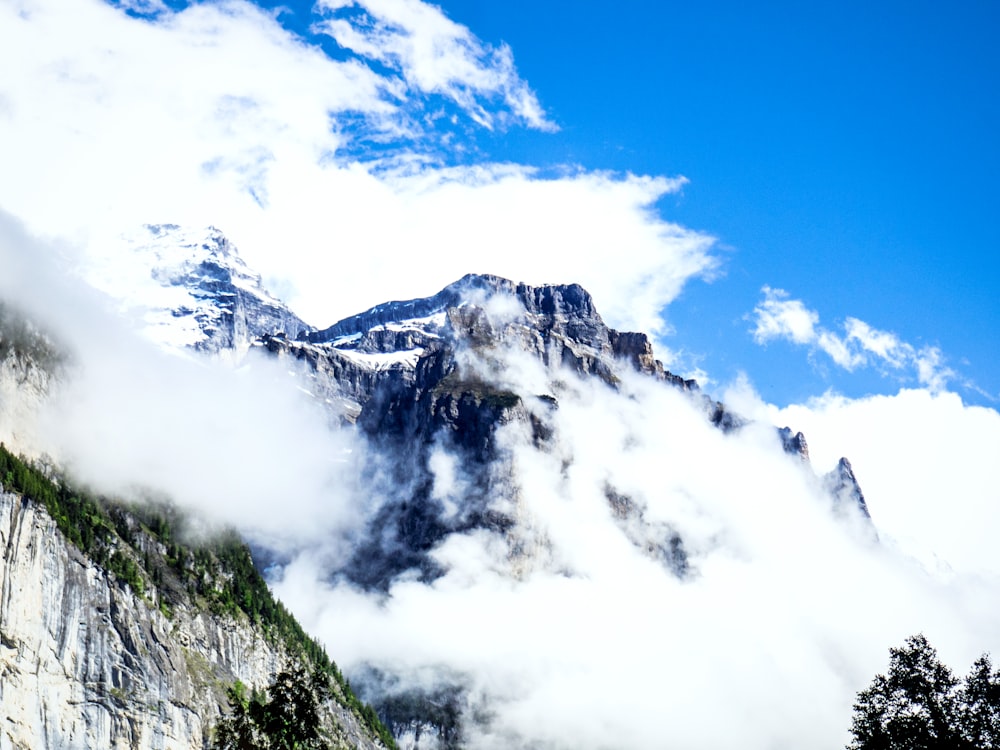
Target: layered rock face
<point>436,372</point>
<point>421,373</point>
<point>85,662</point>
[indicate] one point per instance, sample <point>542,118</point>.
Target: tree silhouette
<point>981,705</point>
<point>921,705</point>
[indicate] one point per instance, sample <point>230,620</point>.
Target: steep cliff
<point>90,660</point>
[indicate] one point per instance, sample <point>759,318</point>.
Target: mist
<point>589,637</point>
<point>243,446</point>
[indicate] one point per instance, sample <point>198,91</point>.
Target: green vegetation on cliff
<point>143,545</point>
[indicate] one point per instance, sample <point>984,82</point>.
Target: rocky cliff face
<point>86,662</point>
<point>420,373</point>
<point>440,372</point>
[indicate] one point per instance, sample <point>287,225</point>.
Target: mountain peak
<point>189,287</point>
<point>175,251</point>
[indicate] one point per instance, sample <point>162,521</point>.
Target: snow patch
<point>342,340</point>
<point>383,360</point>
<point>166,279</point>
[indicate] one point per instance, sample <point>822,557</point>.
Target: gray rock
<point>844,488</point>
<point>86,662</point>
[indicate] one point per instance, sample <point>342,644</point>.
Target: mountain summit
<point>506,470</point>
<point>190,288</point>
<point>455,374</point>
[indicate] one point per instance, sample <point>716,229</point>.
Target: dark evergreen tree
<point>288,719</point>
<point>921,705</point>
<point>240,730</point>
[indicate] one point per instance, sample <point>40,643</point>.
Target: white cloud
<point>594,643</point>
<point>926,463</point>
<point>229,444</point>
<point>434,55</point>
<point>882,344</point>
<point>931,370</point>
<point>112,117</point>
<point>217,115</point>
<point>778,316</point>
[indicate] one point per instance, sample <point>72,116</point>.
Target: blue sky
<point>842,155</point>
<point>844,152</point>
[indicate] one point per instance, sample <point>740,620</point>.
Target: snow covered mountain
<point>191,288</point>
<point>506,447</point>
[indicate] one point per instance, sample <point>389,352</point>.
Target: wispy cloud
<point>778,316</point>
<point>217,115</point>
<point>431,54</point>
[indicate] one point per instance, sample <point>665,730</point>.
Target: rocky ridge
<point>420,373</point>
<point>454,389</point>
<point>416,374</point>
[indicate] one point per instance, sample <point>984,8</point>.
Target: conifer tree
<point>287,719</point>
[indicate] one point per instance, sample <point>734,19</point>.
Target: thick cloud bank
<point>217,115</point>
<point>244,447</point>
<point>593,639</point>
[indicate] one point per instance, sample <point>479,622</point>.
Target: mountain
<point>470,378</point>
<point>190,288</point>
<point>416,373</point>
<point>121,626</point>
<point>487,417</point>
